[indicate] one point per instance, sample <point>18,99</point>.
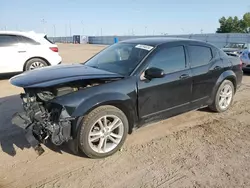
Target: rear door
<point>206,67</point>
<point>163,97</point>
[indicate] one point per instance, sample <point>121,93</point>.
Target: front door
<point>160,98</point>
<point>11,54</point>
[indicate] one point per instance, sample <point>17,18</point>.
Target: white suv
<point>22,51</point>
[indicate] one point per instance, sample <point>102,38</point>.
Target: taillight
<point>54,49</point>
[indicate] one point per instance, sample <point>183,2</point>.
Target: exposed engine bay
<point>43,120</point>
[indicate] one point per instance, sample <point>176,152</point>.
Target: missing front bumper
<point>21,120</point>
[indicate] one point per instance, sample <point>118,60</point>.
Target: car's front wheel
<point>103,132</point>
<point>224,97</point>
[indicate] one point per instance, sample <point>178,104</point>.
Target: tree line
<point>234,24</point>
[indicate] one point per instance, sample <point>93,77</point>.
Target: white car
<point>23,51</point>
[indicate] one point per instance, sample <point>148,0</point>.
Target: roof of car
<point>155,41</point>
<point>24,33</point>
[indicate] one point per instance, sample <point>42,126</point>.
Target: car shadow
<point>64,148</point>
<point>206,109</point>
<point>12,136</point>
<point>246,73</point>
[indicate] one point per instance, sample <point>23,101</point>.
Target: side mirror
<point>154,72</point>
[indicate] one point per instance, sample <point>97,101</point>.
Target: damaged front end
<point>43,120</point>
<point>52,95</point>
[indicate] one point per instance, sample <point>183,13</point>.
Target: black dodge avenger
<point>94,106</point>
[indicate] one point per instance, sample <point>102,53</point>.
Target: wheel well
<point>232,79</point>
<point>126,111</point>
<point>34,58</point>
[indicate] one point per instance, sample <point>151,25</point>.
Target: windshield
<point>121,58</point>
<point>235,45</point>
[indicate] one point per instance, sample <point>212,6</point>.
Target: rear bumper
<point>56,60</point>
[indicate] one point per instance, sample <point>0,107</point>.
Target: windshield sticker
<point>144,47</point>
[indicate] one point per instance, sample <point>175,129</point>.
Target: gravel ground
<point>196,149</point>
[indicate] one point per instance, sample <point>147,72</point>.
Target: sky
<point>117,17</point>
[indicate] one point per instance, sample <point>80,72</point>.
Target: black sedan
<point>94,105</point>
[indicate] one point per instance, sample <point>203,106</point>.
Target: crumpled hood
<point>53,75</point>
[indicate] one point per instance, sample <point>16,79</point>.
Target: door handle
<point>22,51</point>
<point>184,76</point>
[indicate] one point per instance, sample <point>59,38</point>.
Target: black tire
<point>87,124</point>
<point>28,65</point>
<point>215,105</point>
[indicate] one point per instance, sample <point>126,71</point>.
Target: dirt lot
<point>197,149</point>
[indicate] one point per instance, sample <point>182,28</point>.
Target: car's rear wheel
<point>103,132</point>
<point>35,63</point>
<point>224,97</point>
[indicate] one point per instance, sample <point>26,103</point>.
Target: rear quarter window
<point>218,53</point>
<point>200,55</point>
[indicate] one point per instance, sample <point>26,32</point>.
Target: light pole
<point>66,30</point>
<point>82,28</point>
<point>43,21</point>
<point>70,28</point>
<point>54,27</point>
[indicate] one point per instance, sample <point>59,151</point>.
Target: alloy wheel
<point>106,133</point>
<point>225,97</point>
<point>36,65</point>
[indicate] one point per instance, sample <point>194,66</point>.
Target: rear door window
<point>169,59</point>
<point>26,40</point>
<point>8,40</point>
<point>200,55</point>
